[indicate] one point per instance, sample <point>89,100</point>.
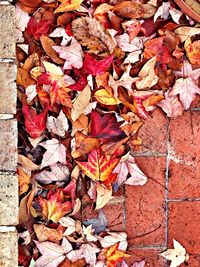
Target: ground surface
<point>168,206</point>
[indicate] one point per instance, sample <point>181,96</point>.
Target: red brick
<point>184,221</point>
<point>151,257</point>
<point>153,134</point>
<point>145,215</point>
<point>114,213</point>
<point>184,180</point>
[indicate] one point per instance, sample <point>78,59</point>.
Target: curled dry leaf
<point>92,34</point>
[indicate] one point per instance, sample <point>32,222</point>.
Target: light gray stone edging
<point>8,143</point>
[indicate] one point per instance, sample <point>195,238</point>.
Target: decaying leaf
<point>91,34</point>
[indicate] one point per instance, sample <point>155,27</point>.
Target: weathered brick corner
<point>8,132</point>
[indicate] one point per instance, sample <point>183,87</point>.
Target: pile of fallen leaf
<point>89,74</point>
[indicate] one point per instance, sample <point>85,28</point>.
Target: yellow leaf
<point>68,5</point>
<point>104,195</point>
<point>106,98</point>
<point>24,181</point>
<point>193,50</point>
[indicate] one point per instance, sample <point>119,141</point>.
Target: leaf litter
<point>89,74</point>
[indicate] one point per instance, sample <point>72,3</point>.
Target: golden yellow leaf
<point>24,181</point>
<point>68,5</point>
<point>106,98</point>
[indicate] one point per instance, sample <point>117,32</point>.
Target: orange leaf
<point>54,207</point>
<point>99,166</point>
<point>114,256</point>
<point>24,181</point>
<point>68,5</point>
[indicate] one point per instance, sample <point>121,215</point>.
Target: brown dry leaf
<point>147,74</point>
<point>92,34</point>
<point>84,144</point>
<point>29,6</point>
<point>24,78</point>
<point>81,103</point>
<point>27,163</point>
<point>81,124</point>
<point>184,32</point>
<point>47,44</point>
<point>24,181</point>
<point>31,61</point>
<point>134,10</point>
<point>24,208</point>
<point>44,233</point>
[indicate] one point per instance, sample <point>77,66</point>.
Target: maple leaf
<point>99,166</point>
<point>114,256</point>
<point>105,127</point>
<point>22,19</point>
<point>126,45</point>
<point>52,253</point>
<point>106,97</point>
<point>127,165</point>
<point>58,125</point>
<point>187,89</point>
<point>37,28</point>
<point>89,252</point>
<point>177,255</point>
<point>96,67</point>
<point>59,84</point>
<point>68,5</point>
<point>113,238</point>
<point>92,34</point>
<point>55,206</point>
<point>171,106</point>
<point>72,54</point>
<point>35,123</point>
<point>56,152</point>
<point>81,80</point>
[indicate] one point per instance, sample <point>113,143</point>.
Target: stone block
<point>8,147</point>
<point>7,31</point>
<point>8,91</point>
<point>8,199</point>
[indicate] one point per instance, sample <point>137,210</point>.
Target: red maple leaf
<point>37,28</point>
<point>35,123</point>
<point>81,81</point>
<point>96,67</point>
<point>105,127</point>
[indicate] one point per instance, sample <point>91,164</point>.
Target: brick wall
<point>8,133</point>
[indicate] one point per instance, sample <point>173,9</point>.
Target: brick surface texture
<point>8,132</point>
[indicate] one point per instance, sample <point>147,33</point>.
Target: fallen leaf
<point>113,238</point>
<point>147,75</point>
<point>171,106</point>
<point>35,123</point>
<point>105,127</point>
<point>127,165</point>
<point>115,256</point>
<point>24,181</point>
<point>44,233</point>
<point>72,54</point>
<point>177,255</point>
<point>184,32</point>
<point>55,206</point>
<point>67,5</point>
<point>89,252</point>
<point>58,173</point>
<point>80,103</point>
<point>55,152</point>
<point>106,98</point>
<point>104,195</point>
<point>92,34</point>
<point>98,224</point>
<point>193,49</point>
<point>96,67</point>
<point>38,28</point>
<point>58,125</point>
